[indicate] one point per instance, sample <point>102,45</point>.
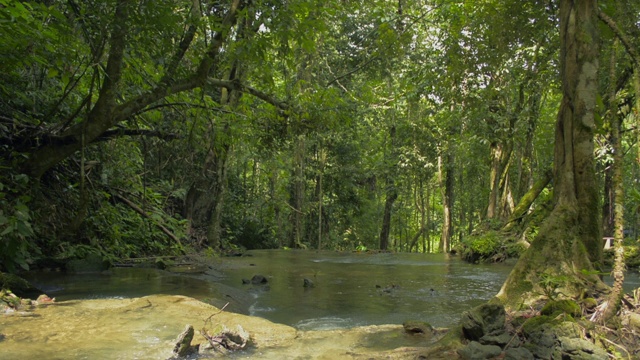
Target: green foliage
<point>551,283</point>
<point>16,231</point>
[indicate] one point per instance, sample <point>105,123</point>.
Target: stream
<point>354,309</point>
<point>349,289</point>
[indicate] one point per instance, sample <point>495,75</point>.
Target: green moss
<point>554,308</point>
<point>589,303</point>
<point>481,247</point>
<point>538,323</point>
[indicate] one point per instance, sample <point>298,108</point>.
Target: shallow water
<point>353,289</point>
<point>350,289</point>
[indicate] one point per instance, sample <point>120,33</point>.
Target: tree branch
<point>137,209</point>
<point>111,134</point>
<point>621,35</point>
<point>236,85</point>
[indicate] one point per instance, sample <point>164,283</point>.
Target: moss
<point>589,303</point>
<point>449,344</point>
<point>481,247</point>
<point>417,327</point>
<point>534,324</point>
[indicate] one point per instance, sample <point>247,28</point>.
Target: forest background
<point>134,129</point>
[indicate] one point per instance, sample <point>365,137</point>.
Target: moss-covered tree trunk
<point>570,238</point>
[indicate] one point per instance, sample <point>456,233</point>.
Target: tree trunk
<point>391,193</point>
<point>298,192</point>
<point>525,180</point>
<point>608,205</point>
<point>528,199</point>
<point>613,301</point>
<point>446,177</point>
<point>322,154</point>
<point>107,111</point>
<point>569,240</point>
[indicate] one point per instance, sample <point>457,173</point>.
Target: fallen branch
<point>137,209</point>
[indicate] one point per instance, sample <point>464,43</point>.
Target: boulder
<point>477,351</point>
<point>417,327</point>
<point>486,319</point>
<point>580,349</point>
<point>518,354</point>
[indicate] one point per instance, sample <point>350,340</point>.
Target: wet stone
<point>477,351</point>
<point>518,354</point>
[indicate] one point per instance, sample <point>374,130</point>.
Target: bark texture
<point>569,240</point>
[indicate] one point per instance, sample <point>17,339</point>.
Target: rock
<point>183,346</point>
<point>486,319</point>
<point>569,307</point>
<point>19,286</point>
<point>589,303</point>
<point>308,283</point>
<point>518,354</point>
<point>500,340</point>
<point>632,320</point>
<point>477,351</point>
<point>417,327</point>
<point>258,280</point>
<point>580,349</point>
<point>160,263</point>
<point>246,281</point>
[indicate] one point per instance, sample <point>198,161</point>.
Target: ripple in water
<point>325,323</point>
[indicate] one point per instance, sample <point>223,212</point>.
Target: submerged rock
<point>259,280</point>
<point>307,283</point>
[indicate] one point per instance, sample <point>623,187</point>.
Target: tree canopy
<point>130,129</point>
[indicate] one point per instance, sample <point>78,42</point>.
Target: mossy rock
<point>417,327</point>
<point>19,286</point>
<point>565,306</point>
<point>589,303</point>
<point>536,323</point>
<point>481,247</point>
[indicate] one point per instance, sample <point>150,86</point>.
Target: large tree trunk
<point>569,240</point>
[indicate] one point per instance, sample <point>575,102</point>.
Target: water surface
<point>354,289</point>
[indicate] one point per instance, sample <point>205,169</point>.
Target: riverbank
<point>146,328</point>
